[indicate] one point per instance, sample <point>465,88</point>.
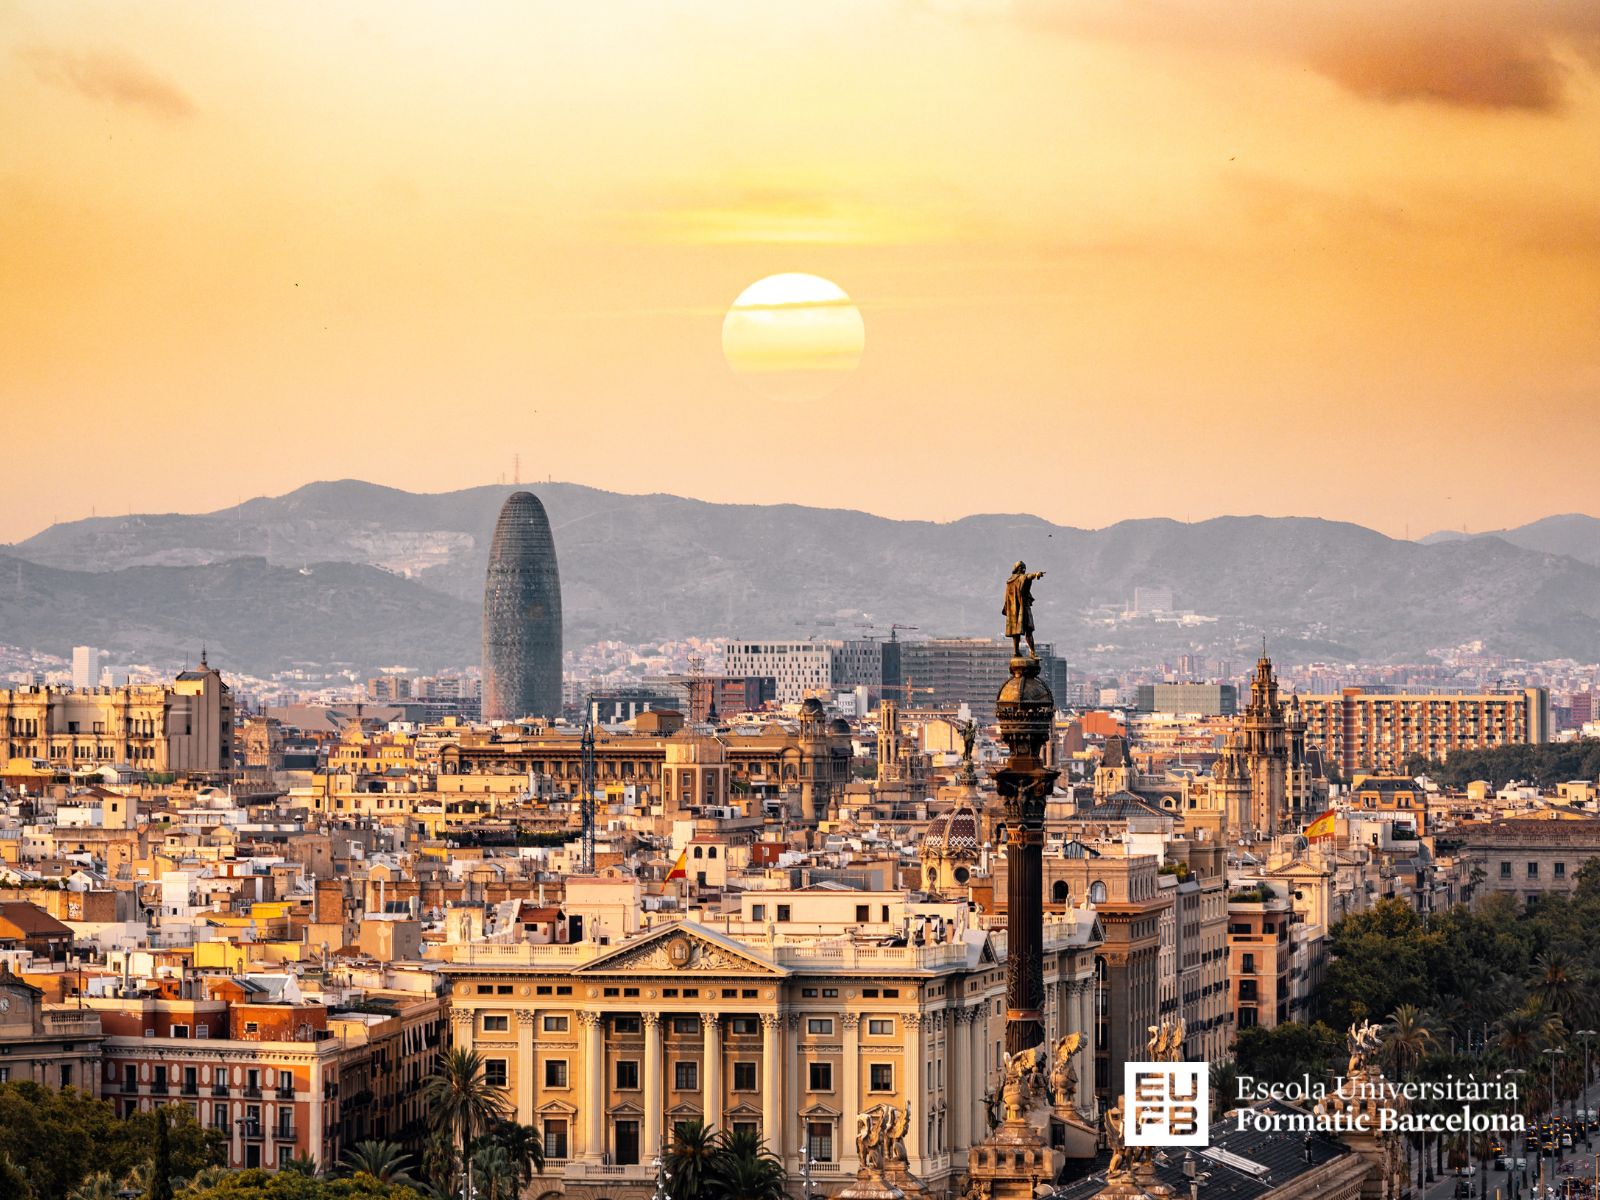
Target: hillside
<point>397,577</point>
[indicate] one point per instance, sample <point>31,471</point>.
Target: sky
<point>1112,259</point>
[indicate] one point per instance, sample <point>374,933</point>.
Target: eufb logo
<point>1166,1103</point>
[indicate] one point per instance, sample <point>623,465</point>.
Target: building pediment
<point>682,948</point>
<point>557,1108</point>
<point>625,1108</point>
<point>819,1111</point>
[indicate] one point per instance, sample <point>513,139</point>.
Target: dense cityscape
<point>791,909</point>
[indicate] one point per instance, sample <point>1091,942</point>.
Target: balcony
<point>158,1088</point>
<point>219,1089</point>
<point>253,1091</point>
<point>284,1133</point>
<point>250,1129</point>
<point>189,1088</point>
<point>286,1093</point>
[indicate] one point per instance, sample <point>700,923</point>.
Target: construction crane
<point>896,627</point>
<point>586,865</point>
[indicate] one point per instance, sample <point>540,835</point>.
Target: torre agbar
<point>522,615</point>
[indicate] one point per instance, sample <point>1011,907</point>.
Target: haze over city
<point>1339,263</point>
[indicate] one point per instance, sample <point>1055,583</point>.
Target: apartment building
<point>1378,731</point>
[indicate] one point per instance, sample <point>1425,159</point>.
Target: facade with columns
<point>608,1048</point>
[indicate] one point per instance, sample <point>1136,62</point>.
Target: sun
<point>793,336</point>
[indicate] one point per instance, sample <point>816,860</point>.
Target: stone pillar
<point>525,1066</point>
<point>915,1058</point>
<point>1025,712</point>
<point>711,1101</point>
<point>794,1070</point>
<point>653,1068</point>
<point>981,1081</point>
<point>961,1085</point>
<point>850,1065</point>
<point>772,1128</point>
<point>594,1086</point>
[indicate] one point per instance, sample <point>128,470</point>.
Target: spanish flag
<point>1322,827</point>
<point>680,869</point>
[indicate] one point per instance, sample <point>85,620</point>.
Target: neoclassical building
<point>788,1020</point>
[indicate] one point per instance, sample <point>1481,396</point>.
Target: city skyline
<point>1224,253</point>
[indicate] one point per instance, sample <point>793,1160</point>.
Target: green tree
<point>13,1180</point>
<point>1286,1052</point>
<point>461,1100</point>
<point>291,1185</point>
<point>494,1178</point>
<point>744,1169</point>
<point>99,1186</point>
<point>690,1160</point>
<point>384,1161</point>
<point>160,1186</point>
<point>1407,1040</point>
<point>523,1145</point>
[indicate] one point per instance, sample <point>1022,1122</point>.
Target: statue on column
<point>1018,608</point>
<point>1063,1079</point>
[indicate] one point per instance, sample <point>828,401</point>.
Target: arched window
<point>1058,892</point>
<point>1097,892</point>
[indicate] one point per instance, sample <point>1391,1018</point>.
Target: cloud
<point>115,78</point>
<point>1517,55</point>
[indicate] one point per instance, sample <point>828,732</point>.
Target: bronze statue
<point>1018,608</point>
<point>1063,1079</point>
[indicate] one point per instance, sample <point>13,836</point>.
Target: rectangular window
<point>627,1075</point>
<point>625,1025</point>
<point>744,1077</point>
<point>1561,870</point>
<point>555,1073</point>
<point>809,993</point>
<point>819,1140</point>
<point>1505,870</point>
<point>783,912</point>
<point>880,1077</point>
<point>686,1076</point>
<point>744,1128</point>
<point>627,1143</point>
<point>555,1138</point>
<point>685,1024</point>
<point>819,1025</point>
<point>494,1072</point>
<point>1533,870</point>
<point>758,912</point>
<point>881,1027</point>
<point>555,1024</point>
<point>496,1024</point>
<point>863,913</point>
<point>830,993</point>
<point>820,1077</point>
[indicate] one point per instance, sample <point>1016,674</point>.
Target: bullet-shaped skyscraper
<point>522,616</point>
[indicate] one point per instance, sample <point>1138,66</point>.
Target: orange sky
<point>1186,262</point>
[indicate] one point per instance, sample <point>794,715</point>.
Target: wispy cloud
<point>1484,54</point>
<point>113,78</point>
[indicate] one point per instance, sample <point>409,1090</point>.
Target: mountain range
<point>354,573</point>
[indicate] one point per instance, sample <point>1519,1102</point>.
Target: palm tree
<point>744,1169</point>
<point>462,1101</point>
<point>301,1164</point>
<point>1409,1039</point>
<point>206,1178</point>
<point>384,1161</point>
<point>690,1160</point>
<point>496,1177</point>
<point>1558,985</point>
<point>1520,1036</point>
<point>99,1186</point>
<point>524,1146</point>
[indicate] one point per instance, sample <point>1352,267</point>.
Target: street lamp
<point>1516,1179</point>
<point>1555,1140</point>
<point>805,1173</point>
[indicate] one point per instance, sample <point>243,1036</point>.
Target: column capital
<point>461,1016</point>
<point>652,1020</point>
<point>914,1020</point>
<point>588,1018</point>
<point>525,1018</point>
<point>771,1020</point>
<point>850,1020</point>
<point>711,1020</point>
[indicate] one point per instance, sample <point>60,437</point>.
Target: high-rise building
<point>522,616</point>
<point>945,673</point>
<point>1204,699</point>
<point>85,667</point>
<point>1359,730</point>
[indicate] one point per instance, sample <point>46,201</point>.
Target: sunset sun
<point>793,336</point>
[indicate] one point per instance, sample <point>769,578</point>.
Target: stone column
<point>711,1102</point>
<point>653,1068</point>
<point>915,1056</point>
<point>850,1067</point>
<point>981,1079</point>
<point>961,1085</point>
<point>525,1066</point>
<point>594,1086</point>
<point>772,1082</point>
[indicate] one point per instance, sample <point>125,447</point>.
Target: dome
<point>954,835</point>
<point>812,707</point>
<point>840,726</point>
<point>1027,690</point>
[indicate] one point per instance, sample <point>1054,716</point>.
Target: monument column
<point>850,1064</point>
<point>653,1068</point>
<point>525,1066</point>
<point>711,1098</point>
<point>594,1085</point>
<point>961,1086</point>
<point>772,1082</point>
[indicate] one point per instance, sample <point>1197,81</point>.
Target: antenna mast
<point>587,864</point>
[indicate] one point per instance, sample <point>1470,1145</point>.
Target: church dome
<point>954,835</point>
<point>840,726</point>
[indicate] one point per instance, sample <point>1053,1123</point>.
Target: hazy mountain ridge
<point>651,566</point>
<point>1572,534</point>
